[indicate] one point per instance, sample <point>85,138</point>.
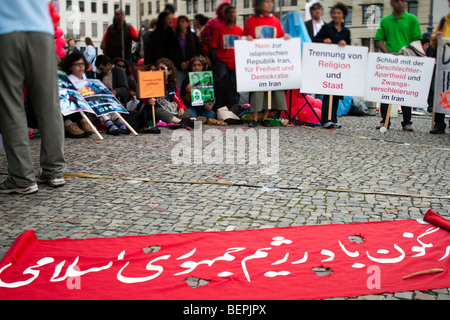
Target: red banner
<point>310,262</point>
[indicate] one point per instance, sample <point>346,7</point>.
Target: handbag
<point>167,105</point>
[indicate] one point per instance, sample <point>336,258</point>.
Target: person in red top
<point>112,40</point>
<point>263,24</point>
<point>222,50</point>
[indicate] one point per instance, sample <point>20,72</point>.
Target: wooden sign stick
<point>388,114</point>
<point>126,123</point>
<point>91,125</point>
<point>269,99</point>
<point>153,114</point>
<point>430,271</point>
<point>330,107</point>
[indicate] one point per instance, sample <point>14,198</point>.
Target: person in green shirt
<point>396,31</point>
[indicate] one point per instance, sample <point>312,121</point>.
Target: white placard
<point>442,81</point>
<point>334,70</point>
<point>268,64</point>
<point>396,79</point>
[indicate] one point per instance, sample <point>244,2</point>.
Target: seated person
<point>201,112</point>
<point>169,109</point>
<point>74,65</point>
<point>115,79</point>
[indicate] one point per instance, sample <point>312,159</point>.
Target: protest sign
<point>71,100</point>
<point>99,98</point>
<point>396,79</point>
<point>151,84</point>
<point>442,89</point>
<point>202,88</point>
<point>267,64</point>
<point>333,70</point>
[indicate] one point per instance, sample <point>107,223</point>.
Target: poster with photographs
<point>71,100</point>
<point>99,98</point>
<point>202,88</point>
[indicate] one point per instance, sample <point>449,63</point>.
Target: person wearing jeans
<point>28,52</point>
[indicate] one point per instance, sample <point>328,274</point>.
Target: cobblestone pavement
<point>326,165</point>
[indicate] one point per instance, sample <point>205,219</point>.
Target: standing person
<point>222,51</point>
<point>442,30</point>
<point>207,33</point>
<point>263,24</point>
<point>27,42</point>
<point>315,23</point>
<point>188,46</point>
<point>334,32</point>
<point>112,40</point>
<point>162,41</point>
<point>396,31</point>
<point>170,9</point>
<point>90,54</point>
<point>200,21</point>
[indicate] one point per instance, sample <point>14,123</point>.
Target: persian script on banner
<point>273,263</point>
<point>268,64</point>
<point>442,89</point>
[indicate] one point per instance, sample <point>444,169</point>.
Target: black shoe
<point>186,122</point>
<point>437,131</point>
<point>252,123</point>
<point>111,128</point>
<point>266,123</point>
<point>121,126</point>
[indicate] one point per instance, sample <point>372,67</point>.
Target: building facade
<point>90,18</point>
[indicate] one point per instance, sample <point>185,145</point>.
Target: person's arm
<point>382,46</point>
<point>121,83</point>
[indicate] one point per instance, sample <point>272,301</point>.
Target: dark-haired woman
<point>162,40</point>
<point>188,46</point>
<point>334,32</point>
<point>169,109</point>
<point>74,65</point>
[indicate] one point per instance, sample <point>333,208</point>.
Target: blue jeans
<point>223,73</point>
<point>208,114</point>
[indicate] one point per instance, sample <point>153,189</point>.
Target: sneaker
<point>337,125</point>
<point>328,125</point>
<point>122,127</point>
<point>252,123</point>
<point>10,187</point>
<point>111,128</point>
<point>53,182</point>
<point>74,131</point>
